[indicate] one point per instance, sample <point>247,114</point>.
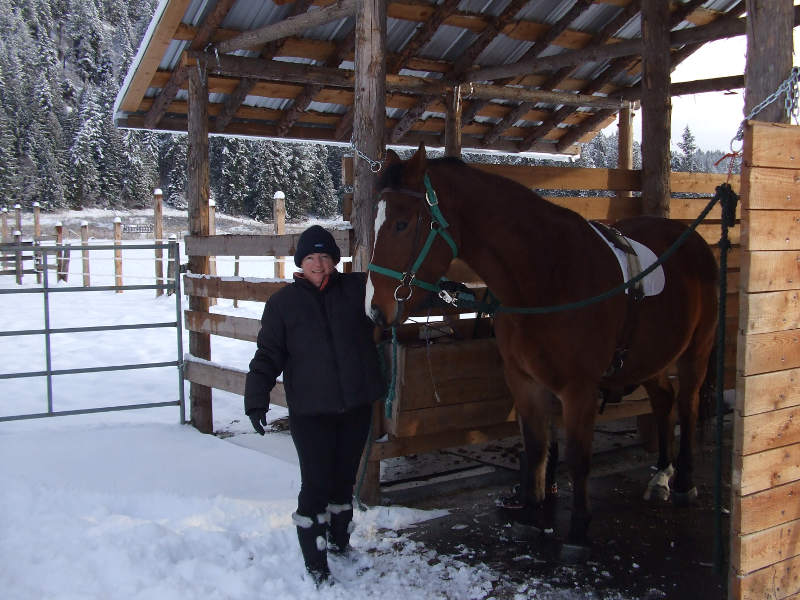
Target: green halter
<point>439,227</point>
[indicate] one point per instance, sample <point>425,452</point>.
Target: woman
<point>316,332</point>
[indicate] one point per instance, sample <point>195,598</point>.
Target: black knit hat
<point>316,239</point>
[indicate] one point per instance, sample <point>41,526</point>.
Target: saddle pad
<point>652,284</point>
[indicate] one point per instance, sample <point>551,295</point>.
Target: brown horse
<point>532,253</point>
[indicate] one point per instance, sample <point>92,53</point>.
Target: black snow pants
<point>329,448</point>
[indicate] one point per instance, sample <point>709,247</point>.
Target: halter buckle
<point>445,296</point>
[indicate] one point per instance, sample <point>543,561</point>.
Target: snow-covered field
<point>132,504</point>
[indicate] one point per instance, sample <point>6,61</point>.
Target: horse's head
<point>408,259</point>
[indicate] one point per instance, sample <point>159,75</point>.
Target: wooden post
<point>59,253</point>
<point>369,119</point>
<point>37,230</point>
<point>197,192</point>
<point>279,219</point>
<point>769,55</point>
<point>18,255</point>
<point>212,230</point>
<point>235,274</point>
<point>18,218</point>
<point>158,236</point>
<point>656,108</point>
<point>172,266</point>
<point>85,252</point>
<point>369,123</point>
<point>625,143</point>
<point>118,252</point>
<point>452,123</point>
<point>4,225</point>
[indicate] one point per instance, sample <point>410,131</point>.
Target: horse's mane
<point>392,177</point>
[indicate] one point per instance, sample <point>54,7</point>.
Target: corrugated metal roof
<point>458,34</point>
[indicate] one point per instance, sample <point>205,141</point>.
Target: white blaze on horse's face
<point>379,220</point>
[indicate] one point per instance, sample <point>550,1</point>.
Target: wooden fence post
<point>4,225</point>
<point>212,230</point>
<point>158,236</point>
<point>59,253</point>
<point>18,218</point>
<point>85,252</point>
<point>172,267</point>
<point>118,253</point>
<point>279,216</point>
<point>18,255</point>
<point>37,229</point>
<point>235,274</point>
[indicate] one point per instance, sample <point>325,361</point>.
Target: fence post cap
<point>158,192</point>
<point>117,220</point>
<point>84,223</point>
<point>35,205</point>
<point>212,203</point>
<point>172,236</point>
<point>17,232</point>
<point>59,224</point>
<point>278,195</point>
<point>18,206</point>
<point>4,209</point>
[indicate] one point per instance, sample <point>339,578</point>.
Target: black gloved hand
<point>258,417</point>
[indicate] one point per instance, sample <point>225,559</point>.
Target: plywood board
<point>754,551</point>
<point>765,352</point>
<point>762,510</point>
<point>768,392</point>
<point>772,145</point>
<point>764,431</point>
<point>769,188</point>
<point>757,472</point>
<point>771,230</point>
<point>770,311</point>
<point>765,271</point>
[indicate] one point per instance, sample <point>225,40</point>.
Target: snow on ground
<point>132,504</point>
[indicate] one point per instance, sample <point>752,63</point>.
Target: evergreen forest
<point>62,63</point>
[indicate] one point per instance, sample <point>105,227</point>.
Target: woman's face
<point>316,267</point>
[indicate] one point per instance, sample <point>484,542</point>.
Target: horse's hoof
<point>656,493</point>
<point>573,554</point>
<point>684,498</point>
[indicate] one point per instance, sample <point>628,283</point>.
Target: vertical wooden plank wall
<point>765,519</point>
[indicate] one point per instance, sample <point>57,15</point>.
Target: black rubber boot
<point>341,526</point>
<point>311,535</point>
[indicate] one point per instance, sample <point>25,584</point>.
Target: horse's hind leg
<point>579,409</point>
<point>692,367</point>
<point>662,398</point>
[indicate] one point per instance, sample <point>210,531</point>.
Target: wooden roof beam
<point>540,46</point>
<point>465,62</point>
<point>719,29</point>
<point>341,9</point>
<point>179,75</point>
<point>245,86</point>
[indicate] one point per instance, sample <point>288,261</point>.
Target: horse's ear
<point>415,168</point>
<point>391,158</point>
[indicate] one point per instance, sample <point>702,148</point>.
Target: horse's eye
<point>400,225</point>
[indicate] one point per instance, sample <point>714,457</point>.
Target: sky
<point>133,505</point>
<point>713,117</point>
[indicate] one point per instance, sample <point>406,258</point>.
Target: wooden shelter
<point>515,76</point>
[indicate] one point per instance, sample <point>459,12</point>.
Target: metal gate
<point>40,256</point>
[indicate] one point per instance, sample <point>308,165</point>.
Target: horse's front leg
<point>662,398</point>
<point>579,407</point>
<point>534,406</point>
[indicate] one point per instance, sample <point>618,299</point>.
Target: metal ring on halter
<point>375,167</point>
<point>410,292</point>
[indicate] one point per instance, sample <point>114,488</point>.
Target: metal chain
<point>374,165</point>
<point>791,103</point>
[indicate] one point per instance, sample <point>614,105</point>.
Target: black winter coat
<point>322,342</point>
